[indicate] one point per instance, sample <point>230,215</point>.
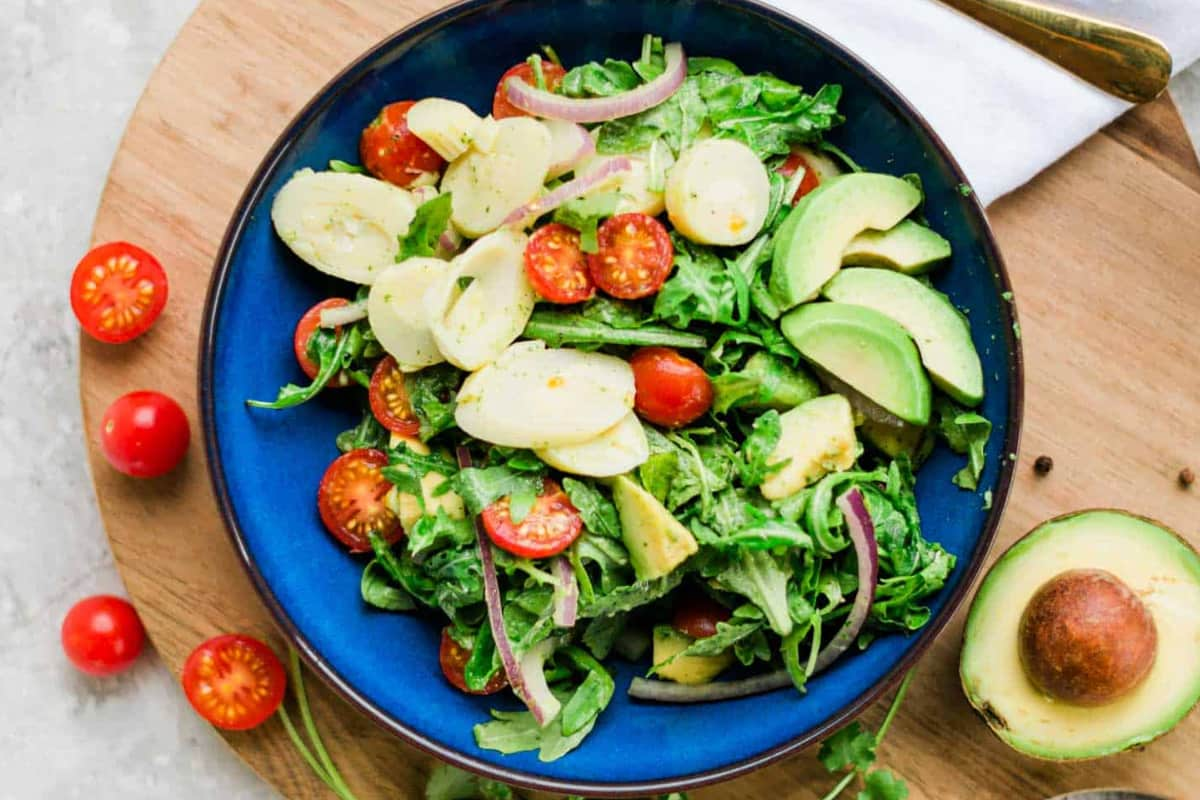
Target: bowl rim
<point>317,663</point>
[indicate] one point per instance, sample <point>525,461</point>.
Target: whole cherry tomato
<point>144,434</point>
<point>670,390</point>
<point>102,635</point>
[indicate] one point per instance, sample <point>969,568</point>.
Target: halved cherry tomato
<point>389,399</point>
<point>454,657</point>
<point>635,256</point>
<point>670,389</point>
<point>556,265</point>
<point>551,72</point>
<point>697,615</point>
<point>144,434</point>
<point>102,635</point>
<point>549,528</point>
<point>305,328</point>
<point>234,681</point>
<point>117,292</point>
<point>391,152</point>
<point>811,179</point>
<point>351,500</point>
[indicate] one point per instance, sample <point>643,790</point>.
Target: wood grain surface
<point>1103,249</point>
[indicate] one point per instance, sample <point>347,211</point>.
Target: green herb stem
<point>894,708</point>
<point>335,781</point>
<point>841,785</point>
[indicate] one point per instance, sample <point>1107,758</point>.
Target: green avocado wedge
<point>909,247</point>
<point>940,331</point>
<point>811,241</point>
<point>657,541</point>
<point>1157,565</point>
<point>867,351</point>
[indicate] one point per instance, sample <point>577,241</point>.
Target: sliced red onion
<point>670,692</point>
<point>343,315</point>
<point>423,194</point>
<point>862,533</point>
<point>449,243</point>
<point>541,103</point>
<point>568,191</point>
<point>541,701</point>
<point>566,594</point>
<point>530,687</point>
<point>570,144</point>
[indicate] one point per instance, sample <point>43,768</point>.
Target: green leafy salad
<point>649,366</point>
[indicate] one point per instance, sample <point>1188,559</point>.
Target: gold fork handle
<point>1121,61</point>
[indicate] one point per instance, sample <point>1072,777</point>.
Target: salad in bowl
<point>648,366</point>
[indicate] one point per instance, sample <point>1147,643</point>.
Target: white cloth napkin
<point>1005,113</point>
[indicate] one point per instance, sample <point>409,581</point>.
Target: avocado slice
<point>867,351</point>
<point>939,329</point>
<point>810,242</point>
<point>816,438</point>
<point>657,542</point>
<point>693,670</point>
<point>894,440</point>
<point>909,247</point>
<point>1160,568</point>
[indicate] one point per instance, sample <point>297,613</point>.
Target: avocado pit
<point>1086,638</point>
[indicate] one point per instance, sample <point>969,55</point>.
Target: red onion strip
<point>670,692</point>
<point>601,109</point>
<point>568,191</point>
<point>566,594</point>
<point>529,691</point>
<point>541,701</point>
<point>862,534</point>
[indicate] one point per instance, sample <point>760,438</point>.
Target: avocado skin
<point>867,351</point>
<point>1027,548</point>
<point>810,242</point>
<point>910,248</point>
<point>940,331</point>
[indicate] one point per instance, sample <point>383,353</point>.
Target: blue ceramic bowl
<point>266,465</point>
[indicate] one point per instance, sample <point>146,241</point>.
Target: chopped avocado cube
<point>894,440</point>
<point>909,247</point>
<point>657,542</point>
<point>669,643</point>
<point>942,335</point>
<point>811,241</point>
<point>816,438</point>
<point>868,352</point>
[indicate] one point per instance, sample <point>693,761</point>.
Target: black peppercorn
<point>1043,465</point>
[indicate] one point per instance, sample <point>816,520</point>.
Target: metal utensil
<point>1123,62</point>
<point>1107,794</point>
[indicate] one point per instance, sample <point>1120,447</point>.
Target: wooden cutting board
<point>1104,252</point>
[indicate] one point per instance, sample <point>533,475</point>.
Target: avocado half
<point>1158,565</point>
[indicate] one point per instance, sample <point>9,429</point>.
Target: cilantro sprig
<point>853,749</point>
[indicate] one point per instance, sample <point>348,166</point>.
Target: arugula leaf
<point>852,746</point>
<point>631,596</point>
<point>728,634</point>
<point>620,314</point>
<point>402,570</point>
<point>677,121</point>
<point>598,512</point>
<point>965,432</point>
<point>653,61</point>
<point>767,381</point>
<point>431,392</point>
<point>600,80</point>
<point>758,446</point>
<point>602,633</point>
<point>760,578</point>
<point>584,215</point>
<point>426,228</point>
<point>406,468</point>
<point>484,662</point>
<point>432,532</point>
<point>766,113</point>
<point>610,558</point>
<point>480,487</point>
<point>592,696</point>
<point>337,165</point>
<point>558,328</point>
<point>368,433</point>
<point>377,590</point>
<point>332,352</point>
<point>701,288</point>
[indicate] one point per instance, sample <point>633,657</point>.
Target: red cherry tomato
<point>549,528</point>
<point>389,399</point>
<point>391,152</point>
<point>305,328</point>
<point>635,256</point>
<point>556,265</point>
<point>454,657</point>
<point>234,681</point>
<point>144,434</point>
<point>351,500</point>
<point>670,390</point>
<point>697,615</point>
<point>117,292</point>
<point>551,72</point>
<point>811,179</point>
<point>102,635</point>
